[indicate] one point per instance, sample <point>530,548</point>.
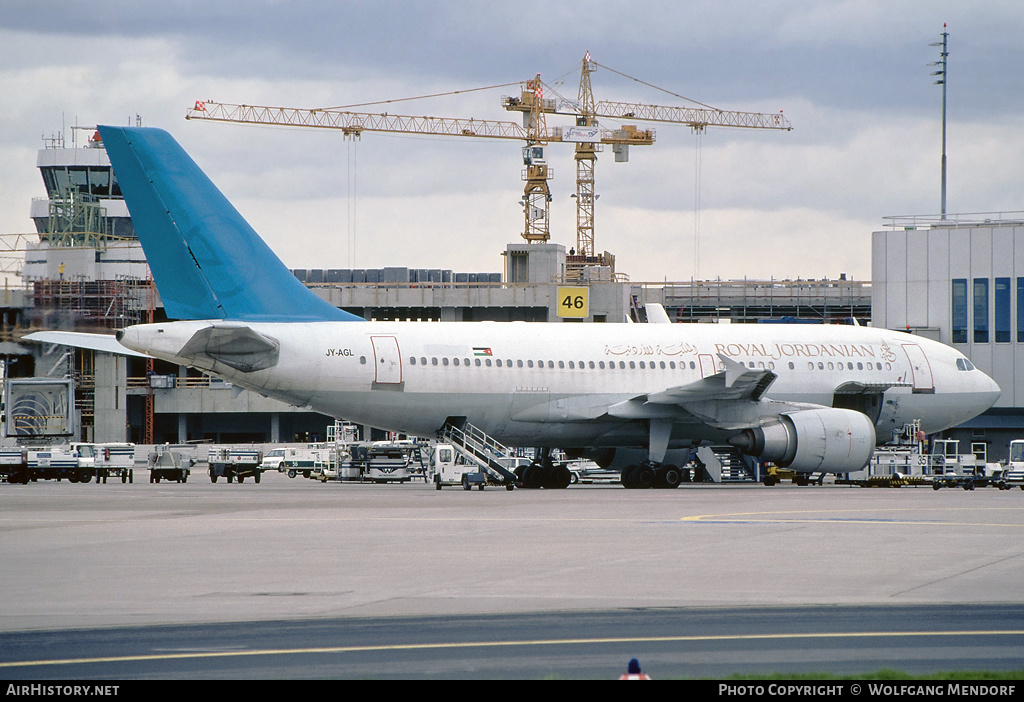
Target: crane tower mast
<point>587,111</point>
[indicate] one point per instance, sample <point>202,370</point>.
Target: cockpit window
<point>964,365</point>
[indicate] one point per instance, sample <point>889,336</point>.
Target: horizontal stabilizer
<point>80,340</point>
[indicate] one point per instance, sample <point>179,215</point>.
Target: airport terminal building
<point>960,280</point>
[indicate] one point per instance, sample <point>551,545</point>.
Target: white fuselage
<point>541,384</point>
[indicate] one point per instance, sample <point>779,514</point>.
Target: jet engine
<point>824,440</point>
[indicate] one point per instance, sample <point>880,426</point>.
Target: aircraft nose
<point>990,390</point>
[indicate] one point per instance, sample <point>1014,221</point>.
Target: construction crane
<point>536,194</point>
<point>587,112</point>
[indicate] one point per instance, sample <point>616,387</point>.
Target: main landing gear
<point>544,473</point>
<point>651,475</point>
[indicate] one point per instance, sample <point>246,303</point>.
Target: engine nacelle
<point>824,440</point>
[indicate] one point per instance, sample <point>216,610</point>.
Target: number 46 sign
<point>573,302</point>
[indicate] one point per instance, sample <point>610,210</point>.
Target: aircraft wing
<point>730,399</point>
<point>97,342</point>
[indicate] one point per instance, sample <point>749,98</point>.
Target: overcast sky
<point>852,77</point>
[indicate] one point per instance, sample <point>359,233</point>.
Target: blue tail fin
<point>207,261</point>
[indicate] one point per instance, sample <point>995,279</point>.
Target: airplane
<point>633,397</point>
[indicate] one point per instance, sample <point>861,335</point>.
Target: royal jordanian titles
<point>811,398</point>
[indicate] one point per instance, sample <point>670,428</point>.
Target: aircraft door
<point>920,369</point>
<point>387,360</point>
<point>707,365</point>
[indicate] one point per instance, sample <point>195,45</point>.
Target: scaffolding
<point>100,304</point>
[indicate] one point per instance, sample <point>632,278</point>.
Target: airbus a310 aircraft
<point>810,398</point>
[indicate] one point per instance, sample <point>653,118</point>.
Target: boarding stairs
<point>479,448</point>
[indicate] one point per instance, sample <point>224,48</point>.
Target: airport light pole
<point>941,73</point>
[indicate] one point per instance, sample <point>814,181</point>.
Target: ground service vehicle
<point>235,463</point>
<point>387,461</point>
<point>168,464</point>
<point>307,462</point>
<point>447,466</point>
<point>107,460</point>
<point>14,464</point>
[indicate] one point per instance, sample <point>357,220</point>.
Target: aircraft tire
<point>668,477</point>
<point>626,477</point>
<point>533,476</point>
<point>558,477</point>
<point>643,476</point>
